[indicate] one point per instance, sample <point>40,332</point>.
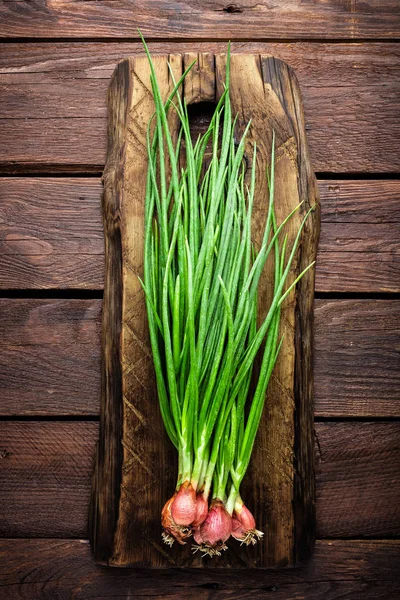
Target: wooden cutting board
<point>135,465</point>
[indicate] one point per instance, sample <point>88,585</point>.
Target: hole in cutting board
<point>200,116</point>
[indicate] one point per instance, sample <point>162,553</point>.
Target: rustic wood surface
<point>46,466</point>
<point>50,349</point>
<point>51,235</point>
<point>53,111</point>
<point>53,80</point>
<point>77,144</point>
<point>49,569</point>
<point>317,64</point>
<point>46,244</point>
<point>264,90</point>
<point>197,20</point>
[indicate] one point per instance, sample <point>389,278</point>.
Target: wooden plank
<point>54,114</point>
<point>363,201</point>
<point>339,569</point>
<point>358,249</point>
<point>73,145</point>
<point>45,477</point>
<point>50,352</point>
<point>46,467</point>
<point>51,235</point>
<point>368,500</point>
<point>78,144</point>
<point>357,365</point>
<point>49,94</point>
<point>50,357</point>
<point>362,272</point>
<point>195,19</point>
<point>317,64</point>
<point>266,91</point>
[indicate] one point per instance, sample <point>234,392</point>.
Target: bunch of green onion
<point>201,278</point>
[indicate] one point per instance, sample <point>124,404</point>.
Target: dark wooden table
<point>55,65</point>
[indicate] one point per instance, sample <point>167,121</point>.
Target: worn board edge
<point>304,460</point>
<point>105,495</point>
<point>111,405</point>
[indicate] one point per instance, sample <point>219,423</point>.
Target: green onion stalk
<point>201,281</point>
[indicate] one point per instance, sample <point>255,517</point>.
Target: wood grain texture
<point>358,273</point>
<point>195,19</point>
<point>46,467</point>
<point>317,64</point>
<point>366,449</point>
<point>357,363</point>
<point>55,370</point>
<point>62,569</point>
<point>45,477</point>
<point>51,234</point>
<point>359,250</point>
<point>50,357</point>
<point>264,90</point>
<point>53,108</point>
<point>107,476</point>
<point>78,144</point>
<point>360,202</point>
